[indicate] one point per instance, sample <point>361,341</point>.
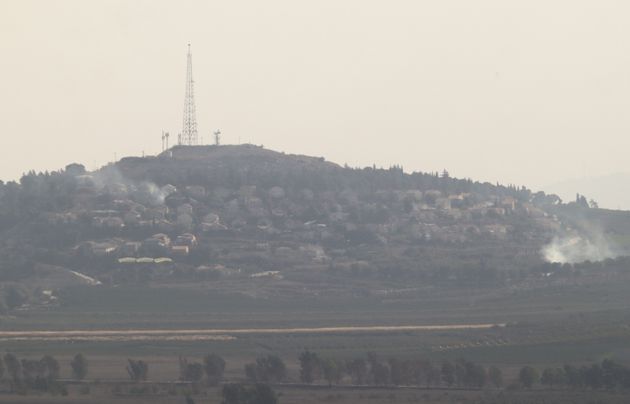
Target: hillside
<point>244,216</point>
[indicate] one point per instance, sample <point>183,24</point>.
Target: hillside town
<point>266,231</point>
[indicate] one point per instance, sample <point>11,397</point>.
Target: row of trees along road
<point>43,374</point>
<point>213,366</point>
<point>372,370</point>
<point>608,375</point>
<point>39,374</point>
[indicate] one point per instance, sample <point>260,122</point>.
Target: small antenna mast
<point>217,137</point>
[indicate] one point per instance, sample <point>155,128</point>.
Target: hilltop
<point>241,216</point>
<point>216,164</point>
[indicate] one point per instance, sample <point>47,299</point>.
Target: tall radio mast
<point>189,131</point>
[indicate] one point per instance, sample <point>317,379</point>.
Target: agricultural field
<point>542,326</point>
<point>100,395</point>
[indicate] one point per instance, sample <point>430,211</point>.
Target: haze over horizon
<point>530,93</point>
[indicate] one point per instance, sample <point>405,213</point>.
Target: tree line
<point>372,370</point>
<point>38,374</point>
<point>606,374</point>
<point>368,370</point>
<point>461,373</point>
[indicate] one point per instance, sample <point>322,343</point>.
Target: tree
<point>310,366</point>
<point>274,368</point>
<point>79,367</point>
<point>593,376</point>
<point>448,373</point>
<point>400,371</point>
<point>560,377</point>
<point>192,372</point>
<point>552,376</point>
<point>580,200</point>
<point>268,368</point>
<point>528,376</point>
<point>332,371</point>
<point>548,377</point>
<point>51,367</point>
<point>262,394</point>
<point>460,372</point>
<point>613,374</point>
<point>432,374</point>
<point>495,376</point>
<point>358,370</point>
<point>33,370</point>
<point>375,369</point>
<point>14,367</point>
<point>137,369</point>
<point>214,366</point>
<point>574,377</point>
<point>251,372</point>
<point>474,375</point>
<point>233,393</point>
<point>380,373</point>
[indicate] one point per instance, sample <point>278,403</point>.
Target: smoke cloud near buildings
<point>147,192</point>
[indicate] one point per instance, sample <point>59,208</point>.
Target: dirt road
<point>214,334</point>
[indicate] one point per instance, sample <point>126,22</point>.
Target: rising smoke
<point>581,239</point>
<point>145,192</point>
<point>576,248</point>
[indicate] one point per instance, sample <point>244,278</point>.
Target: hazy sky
<point>529,92</point>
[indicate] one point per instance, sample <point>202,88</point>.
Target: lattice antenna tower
<point>189,131</point>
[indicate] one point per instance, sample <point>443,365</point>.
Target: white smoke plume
<point>144,192</point>
<point>576,248</point>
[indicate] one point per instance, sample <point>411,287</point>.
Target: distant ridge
<point>609,191</point>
